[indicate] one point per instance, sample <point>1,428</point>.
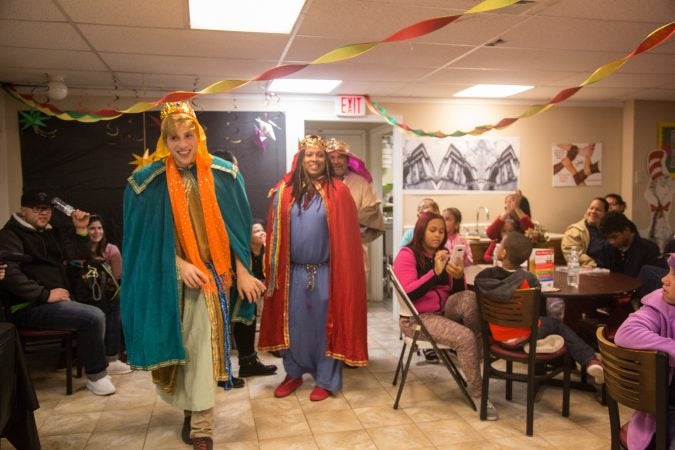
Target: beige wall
<point>555,208</point>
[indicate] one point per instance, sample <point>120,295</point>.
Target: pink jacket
<point>652,327</point>
<point>405,269</point>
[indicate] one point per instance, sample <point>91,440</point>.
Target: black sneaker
<point>237,383</point>
<point>430,355</point>
<point>251,367</point>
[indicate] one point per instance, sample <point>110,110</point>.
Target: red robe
<point>346,324</point>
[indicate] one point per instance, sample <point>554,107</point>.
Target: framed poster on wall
<point>577,164</point>
<point>432,165</point>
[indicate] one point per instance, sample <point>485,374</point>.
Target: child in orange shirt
<point>499,283</point>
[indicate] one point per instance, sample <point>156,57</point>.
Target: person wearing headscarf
<point>353,172</point>
<point>315,312</point>
<point>187,227</point>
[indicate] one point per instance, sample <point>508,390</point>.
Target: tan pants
<point>201,423</point>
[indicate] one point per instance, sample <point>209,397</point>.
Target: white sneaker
<point>594,369</point>
<point>102,386</point>
<point>491,410</point>
<point>118,367</point>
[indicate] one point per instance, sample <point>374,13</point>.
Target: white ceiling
<point>145,47</point>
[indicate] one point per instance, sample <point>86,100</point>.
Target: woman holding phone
<point>437,289</point>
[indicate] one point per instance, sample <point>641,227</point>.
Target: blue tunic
<point>308,309</point>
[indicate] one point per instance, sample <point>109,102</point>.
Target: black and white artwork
<point>461,164</point>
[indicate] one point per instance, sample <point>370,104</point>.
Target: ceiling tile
<point>578,34</point>
<point>536,59</point>
<point>362,72</point>
<point>182,65</point>
<point>146,13</point>
<point>629,10</point>
<point>184,42</point>
<point>30,10</point>
<point>29,34</point>
<point>49,59</point>
<point>497,76</point>
<point>361,20</point>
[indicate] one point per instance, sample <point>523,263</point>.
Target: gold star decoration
<point>141,161</point>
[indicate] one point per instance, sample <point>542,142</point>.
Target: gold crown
<point>182,107</point>
<point>311,140</point>
<point>336,145</point>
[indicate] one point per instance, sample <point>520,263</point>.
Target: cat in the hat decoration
<point>659,195</point>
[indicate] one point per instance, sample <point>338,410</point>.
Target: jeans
<point>580,351</point>
<point>85,320</point>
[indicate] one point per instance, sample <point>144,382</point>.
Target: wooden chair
<point>45,339</point>
<point>421,339</point>
<point>38,339</point>
<point>521,311</point>
<point>639,380</point>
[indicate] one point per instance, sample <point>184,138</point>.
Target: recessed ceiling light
<point>493,90</point>
<point>257,16</point>
<point>300,86</point>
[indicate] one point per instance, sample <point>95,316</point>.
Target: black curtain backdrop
<point>87,164</point>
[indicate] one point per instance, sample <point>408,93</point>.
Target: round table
<point>610,284</point>
<point>608,290</point>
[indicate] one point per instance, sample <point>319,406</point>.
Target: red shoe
<point>287,387</point>
<point>318,394</point>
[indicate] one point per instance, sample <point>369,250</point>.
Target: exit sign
<point>350,105</point>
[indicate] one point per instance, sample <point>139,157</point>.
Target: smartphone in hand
<point>457,256</point>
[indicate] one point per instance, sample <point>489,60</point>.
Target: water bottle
<point>62,206</point>
<point>495,258</point>
<point>573,268</point>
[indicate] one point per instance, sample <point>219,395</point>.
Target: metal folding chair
<point>421,339</point>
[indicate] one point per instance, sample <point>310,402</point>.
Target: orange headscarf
<point>216,231</point>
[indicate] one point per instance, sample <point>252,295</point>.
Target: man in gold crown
<point>316,310</point>
<point>187,225</point>
<point>349,169</point>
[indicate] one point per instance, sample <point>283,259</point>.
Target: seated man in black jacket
<point>631,254</point>
<point>38,291</point>
<point>627,252</point>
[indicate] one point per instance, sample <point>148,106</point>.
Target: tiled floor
<point>432,413</point>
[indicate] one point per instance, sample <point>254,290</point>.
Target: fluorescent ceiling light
<point>493,90</point>
<point>257,16</point>
<point>300,86</point>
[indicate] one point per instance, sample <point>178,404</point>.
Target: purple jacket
<point>652,327</point>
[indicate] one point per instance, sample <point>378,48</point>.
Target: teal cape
<point>151,290</point>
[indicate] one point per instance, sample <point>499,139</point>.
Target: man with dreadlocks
<point>316,310</point>
<point>187,227</point>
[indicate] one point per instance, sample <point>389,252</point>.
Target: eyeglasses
<point>41,209</point>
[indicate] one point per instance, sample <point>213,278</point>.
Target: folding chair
<point>421,339</point>
<point>521,311</point>
<point>637,379</point>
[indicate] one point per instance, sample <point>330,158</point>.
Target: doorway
<point>368,141</point>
